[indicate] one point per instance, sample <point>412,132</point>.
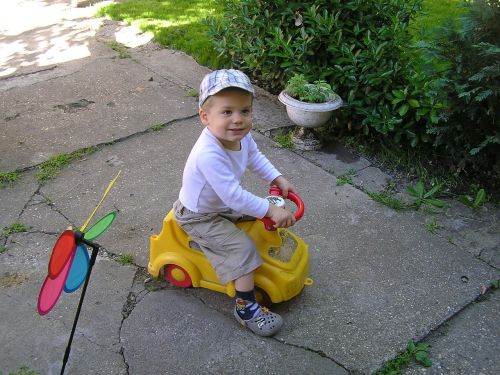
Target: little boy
<point>212,199</point>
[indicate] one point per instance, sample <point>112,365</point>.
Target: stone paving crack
<point>28,73</point>
<point>137,293</point>
<point>168,79</point>
<point>129,305</point>
<point>51,205</point>
<point>318,352</point>
<point>478,257</point>
<point>480,298</point>
<point>118,140</point>
<point>27,203</point>
<point>122,353</point>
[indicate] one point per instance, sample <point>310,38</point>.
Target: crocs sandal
<point>264,323</point>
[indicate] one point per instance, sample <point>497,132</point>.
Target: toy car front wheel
<point>177,276</point>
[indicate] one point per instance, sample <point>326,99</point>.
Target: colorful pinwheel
<point>70,265</point>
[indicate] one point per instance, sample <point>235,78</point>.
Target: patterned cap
<point>222,79</point>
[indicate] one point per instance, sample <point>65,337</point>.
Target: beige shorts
<point>230,250</point>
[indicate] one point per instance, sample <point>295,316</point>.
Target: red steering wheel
<point>275,191</point>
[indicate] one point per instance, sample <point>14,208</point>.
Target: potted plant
<point>308,105</point>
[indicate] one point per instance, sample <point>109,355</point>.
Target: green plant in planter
<point>317,92</point>
<point>308,105</point>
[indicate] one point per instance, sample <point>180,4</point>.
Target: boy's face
<point>228,116</point>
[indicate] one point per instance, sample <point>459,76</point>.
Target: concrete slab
<point>378,277</point>
<point>269,113</point>
<point>183,70</point>
<point>477,232</point>
<point>13,199</point>
<point>335,159</point>
<point>41,214</point>
<point>185,337</point>
<point>376,285</point>
<point>39,342</point>
<point>468,344</point>
<point>371,179</point>
<point>113,99</point>
<point>149,184</point>
<point>172,65</point>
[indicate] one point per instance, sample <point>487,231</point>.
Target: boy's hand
<point>281,216</point>
<point>284,185</point>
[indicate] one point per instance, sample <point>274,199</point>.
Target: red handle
<point>273,190</point>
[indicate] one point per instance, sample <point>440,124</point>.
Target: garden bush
<point>358,46</point>
<point>365,50</point>
<point>470,132</point>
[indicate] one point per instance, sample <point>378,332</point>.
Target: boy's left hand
<point>284,185</point>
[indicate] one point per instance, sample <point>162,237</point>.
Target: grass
<point>476,203</point>
<point>436,13</point>
<point>422,197</point>
<point>387,199</point>
<point>50,168</point>
<point>154,284</point>
<point>7,231</point>
<point>125,259</point>
<point>346,177</point>
<point>192,93</point>
<point>123,51</point>
<point>414,164</point>
<point>156,127</point>
<point>413,352</point>
<point>176,24</point>
<point>14,228</point>
<point>284,139</point>
<point>432,226</point>
<point>8,178</point>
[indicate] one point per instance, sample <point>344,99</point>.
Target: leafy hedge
<point>363,48</point>
<point>358,46</point>
<point>471,130</point>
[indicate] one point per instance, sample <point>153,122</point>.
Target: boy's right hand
<point>282,217</point>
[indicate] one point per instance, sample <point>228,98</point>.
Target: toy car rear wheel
<point>177,276</point>
<point>262,297</point>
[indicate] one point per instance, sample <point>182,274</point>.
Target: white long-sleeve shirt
<point>211,181</point>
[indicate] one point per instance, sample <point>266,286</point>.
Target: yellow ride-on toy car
<point>283,274</point>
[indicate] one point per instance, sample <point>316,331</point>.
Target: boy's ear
<point>203,116</point>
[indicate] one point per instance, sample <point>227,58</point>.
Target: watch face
<point>277,201</point>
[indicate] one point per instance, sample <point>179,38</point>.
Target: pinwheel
<point>70,265</point>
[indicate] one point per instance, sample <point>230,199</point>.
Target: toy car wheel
<point>177,276</point>
<point>262,297</point>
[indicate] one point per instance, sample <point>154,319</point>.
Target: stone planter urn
<point>308,116</point>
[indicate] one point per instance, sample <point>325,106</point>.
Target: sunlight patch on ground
<point>131,36</point>
<point>41,33</point>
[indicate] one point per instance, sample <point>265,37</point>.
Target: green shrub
<point>440,98</point>
<point>470,132</point>
<point>356,46</point>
